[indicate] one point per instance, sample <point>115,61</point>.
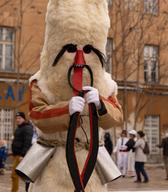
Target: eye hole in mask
<point>87,49</point>
<point>71,48</point>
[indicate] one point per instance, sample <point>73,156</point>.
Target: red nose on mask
<point>78,70</point>
<point>79,58</point>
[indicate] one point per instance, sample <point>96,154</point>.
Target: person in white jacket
<point>140,158</point>
<point>122,153</point>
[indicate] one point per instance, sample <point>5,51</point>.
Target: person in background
<point>131,155</point>
<point>108,143</point>
<point>20,145</point>
<point>122,153</point>
<point>35,135</point>
<point>164,145</point>
<point>3,156</point>
<point>140,158</point>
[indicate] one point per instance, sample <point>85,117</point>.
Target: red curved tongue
<point>78,75</point>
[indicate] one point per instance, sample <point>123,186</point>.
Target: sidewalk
<point>157,182</point>
<point>156,175</point>
<point>5,183</point>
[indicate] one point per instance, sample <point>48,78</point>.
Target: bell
<point>105,166</point>
<point>34,161</point>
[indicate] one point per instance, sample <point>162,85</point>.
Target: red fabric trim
<point>91,143</point>
<point>112,101</point>
<point>49,113</point>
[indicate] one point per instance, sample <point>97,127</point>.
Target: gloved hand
<point>92,96</point>
<point>76,104</point>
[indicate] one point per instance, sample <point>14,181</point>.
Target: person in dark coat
<point>164,145</point>
<point>131,155</point>
<point>20,145</point>
<point>108,142</point>
<point>131,142</point>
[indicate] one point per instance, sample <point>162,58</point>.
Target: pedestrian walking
<point>140,158</point>
<point>131,153</point>
<point>3,156</point>
<point>164,145</point>
<point>20,145</point>
<point>122,153</point>
<point>108,143</point>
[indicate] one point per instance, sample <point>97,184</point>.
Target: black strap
<point>92,156</point>
<point>70,154</point>
<point>80,180</point>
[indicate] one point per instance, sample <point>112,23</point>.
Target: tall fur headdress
<point>79,22</point>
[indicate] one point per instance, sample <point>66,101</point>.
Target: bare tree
<point>132,28</point>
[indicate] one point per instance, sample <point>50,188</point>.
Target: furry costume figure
<point>81,23</point>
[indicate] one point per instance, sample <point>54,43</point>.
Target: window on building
<point>151,6</point>
<point>6,48</point>
<point>109,49</point>
<point>151,129</point>
<point>6,125</point>
<point>151,63</point>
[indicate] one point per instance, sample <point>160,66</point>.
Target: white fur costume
<point>78,22</point>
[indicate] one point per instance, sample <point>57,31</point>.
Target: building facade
<point>140,66</point>
<point>21,39</point>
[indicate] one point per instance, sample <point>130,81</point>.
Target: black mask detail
<point>88,48</point>
<point>71,48</point>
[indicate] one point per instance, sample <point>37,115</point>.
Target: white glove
<point>92,96</point>
<point>76,104</point>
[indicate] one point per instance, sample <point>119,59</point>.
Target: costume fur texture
<point>78,22</point>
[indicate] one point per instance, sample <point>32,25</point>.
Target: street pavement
<point>5,183</point>
<point>157,182</point>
